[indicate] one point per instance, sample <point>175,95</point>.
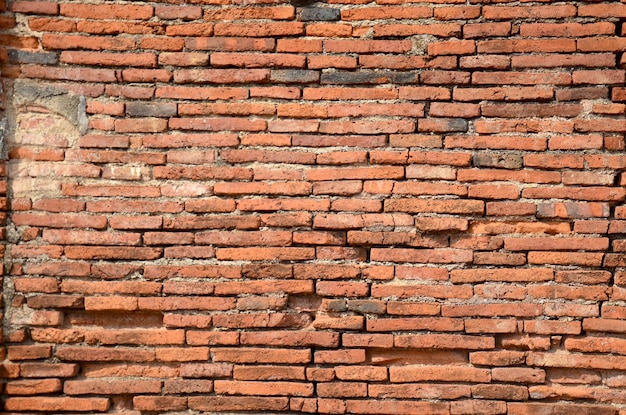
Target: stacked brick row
<point>391,207</point>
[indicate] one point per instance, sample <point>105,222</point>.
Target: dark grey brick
<point>501,160</point>
<point>336,306</point>
<point>41,58</point>
<point>294,76</point>
<point>457,124</point>
<point>351,78</point>
<point>318,14</point>
<point>367,307</point>
<point>150,109</point>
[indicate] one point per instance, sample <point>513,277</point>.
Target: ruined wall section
<point>389,207</point>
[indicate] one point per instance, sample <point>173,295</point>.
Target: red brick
<point>51,41</point>
<point>138,125</point>
<point>229,43</point>
<point>568,360</point>
<point>349,93</point>
<point>248,13</point>
<point>490,29</point>
<point>452,47</point>
<point>87,252</point>
<point>84,74</point>
<point>178,12</point>
<point>340,356</point>
<point>116,27</point>
<point>438,109</point>
<point>238,403</point>
<point>327,61</point>
<point>212,338</point>
<point>505,392</point>
<point>526,12</point>
<point>510,275</point>
<point>438,373</point>
<point>566,29</point>
<point>470,207</point>
<point>342,390</point>
<point>259,29</point>
<point>503,94</point>
<point>387,12</point>
<point>572,209</point>
<point>190,29</point>
<point>266,388</point>
<point>424,93</point>
<point>60,220</point>
<point>108,59</point>
<point>602,10</point>
<point>257,60</point>
<point>405,30</point>
<point>88,387</point>
<point>477,407</point>
<point>34,7</point>
<point>552,327</point>
<point>29,352</point>
<point>19,42</point>
<point>57,404</point>
<point>559,60</point>
<point>186,386</point>
<point>485,62</point>
<point>396,407</point>
<point>403,62</point>
<point>488,191</point>
<point>457,12</point>
<point>328,30</point>
<point>261,355</point>
<point>426,391</point>
<point>601,44</point>
<point>530,408</point>
<point>33,386</point>
<point>573,310</point>
<point>367,46</point>
<point>411,324</point>
<point>497,142</point>
<point>106,11</point>
<point>45,24</point>
<point>39,284</point>
<point>299,45</point>
<point>599,77</point>
<point>524,176</point>
<point>268,373</point>
<point>518,375</point>
<point>159,403</point>
<point>497,358</point>
<point>555,244</point>
<point>574,376</point>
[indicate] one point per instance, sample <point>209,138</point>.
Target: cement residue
<point>37,128</point>
<point>420,44</point>
<point>27,93</point>
<point>41,116</point>
<point>8,295</point>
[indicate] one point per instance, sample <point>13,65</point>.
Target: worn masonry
<point>404,207</point>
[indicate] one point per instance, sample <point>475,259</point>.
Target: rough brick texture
<point>389,207</point>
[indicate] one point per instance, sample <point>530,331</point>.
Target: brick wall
<point>400,207</point>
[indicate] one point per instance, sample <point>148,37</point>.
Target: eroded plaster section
<point>42,119</point>
<point>42,123</point>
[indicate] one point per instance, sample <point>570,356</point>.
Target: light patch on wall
<point>42,118</point>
